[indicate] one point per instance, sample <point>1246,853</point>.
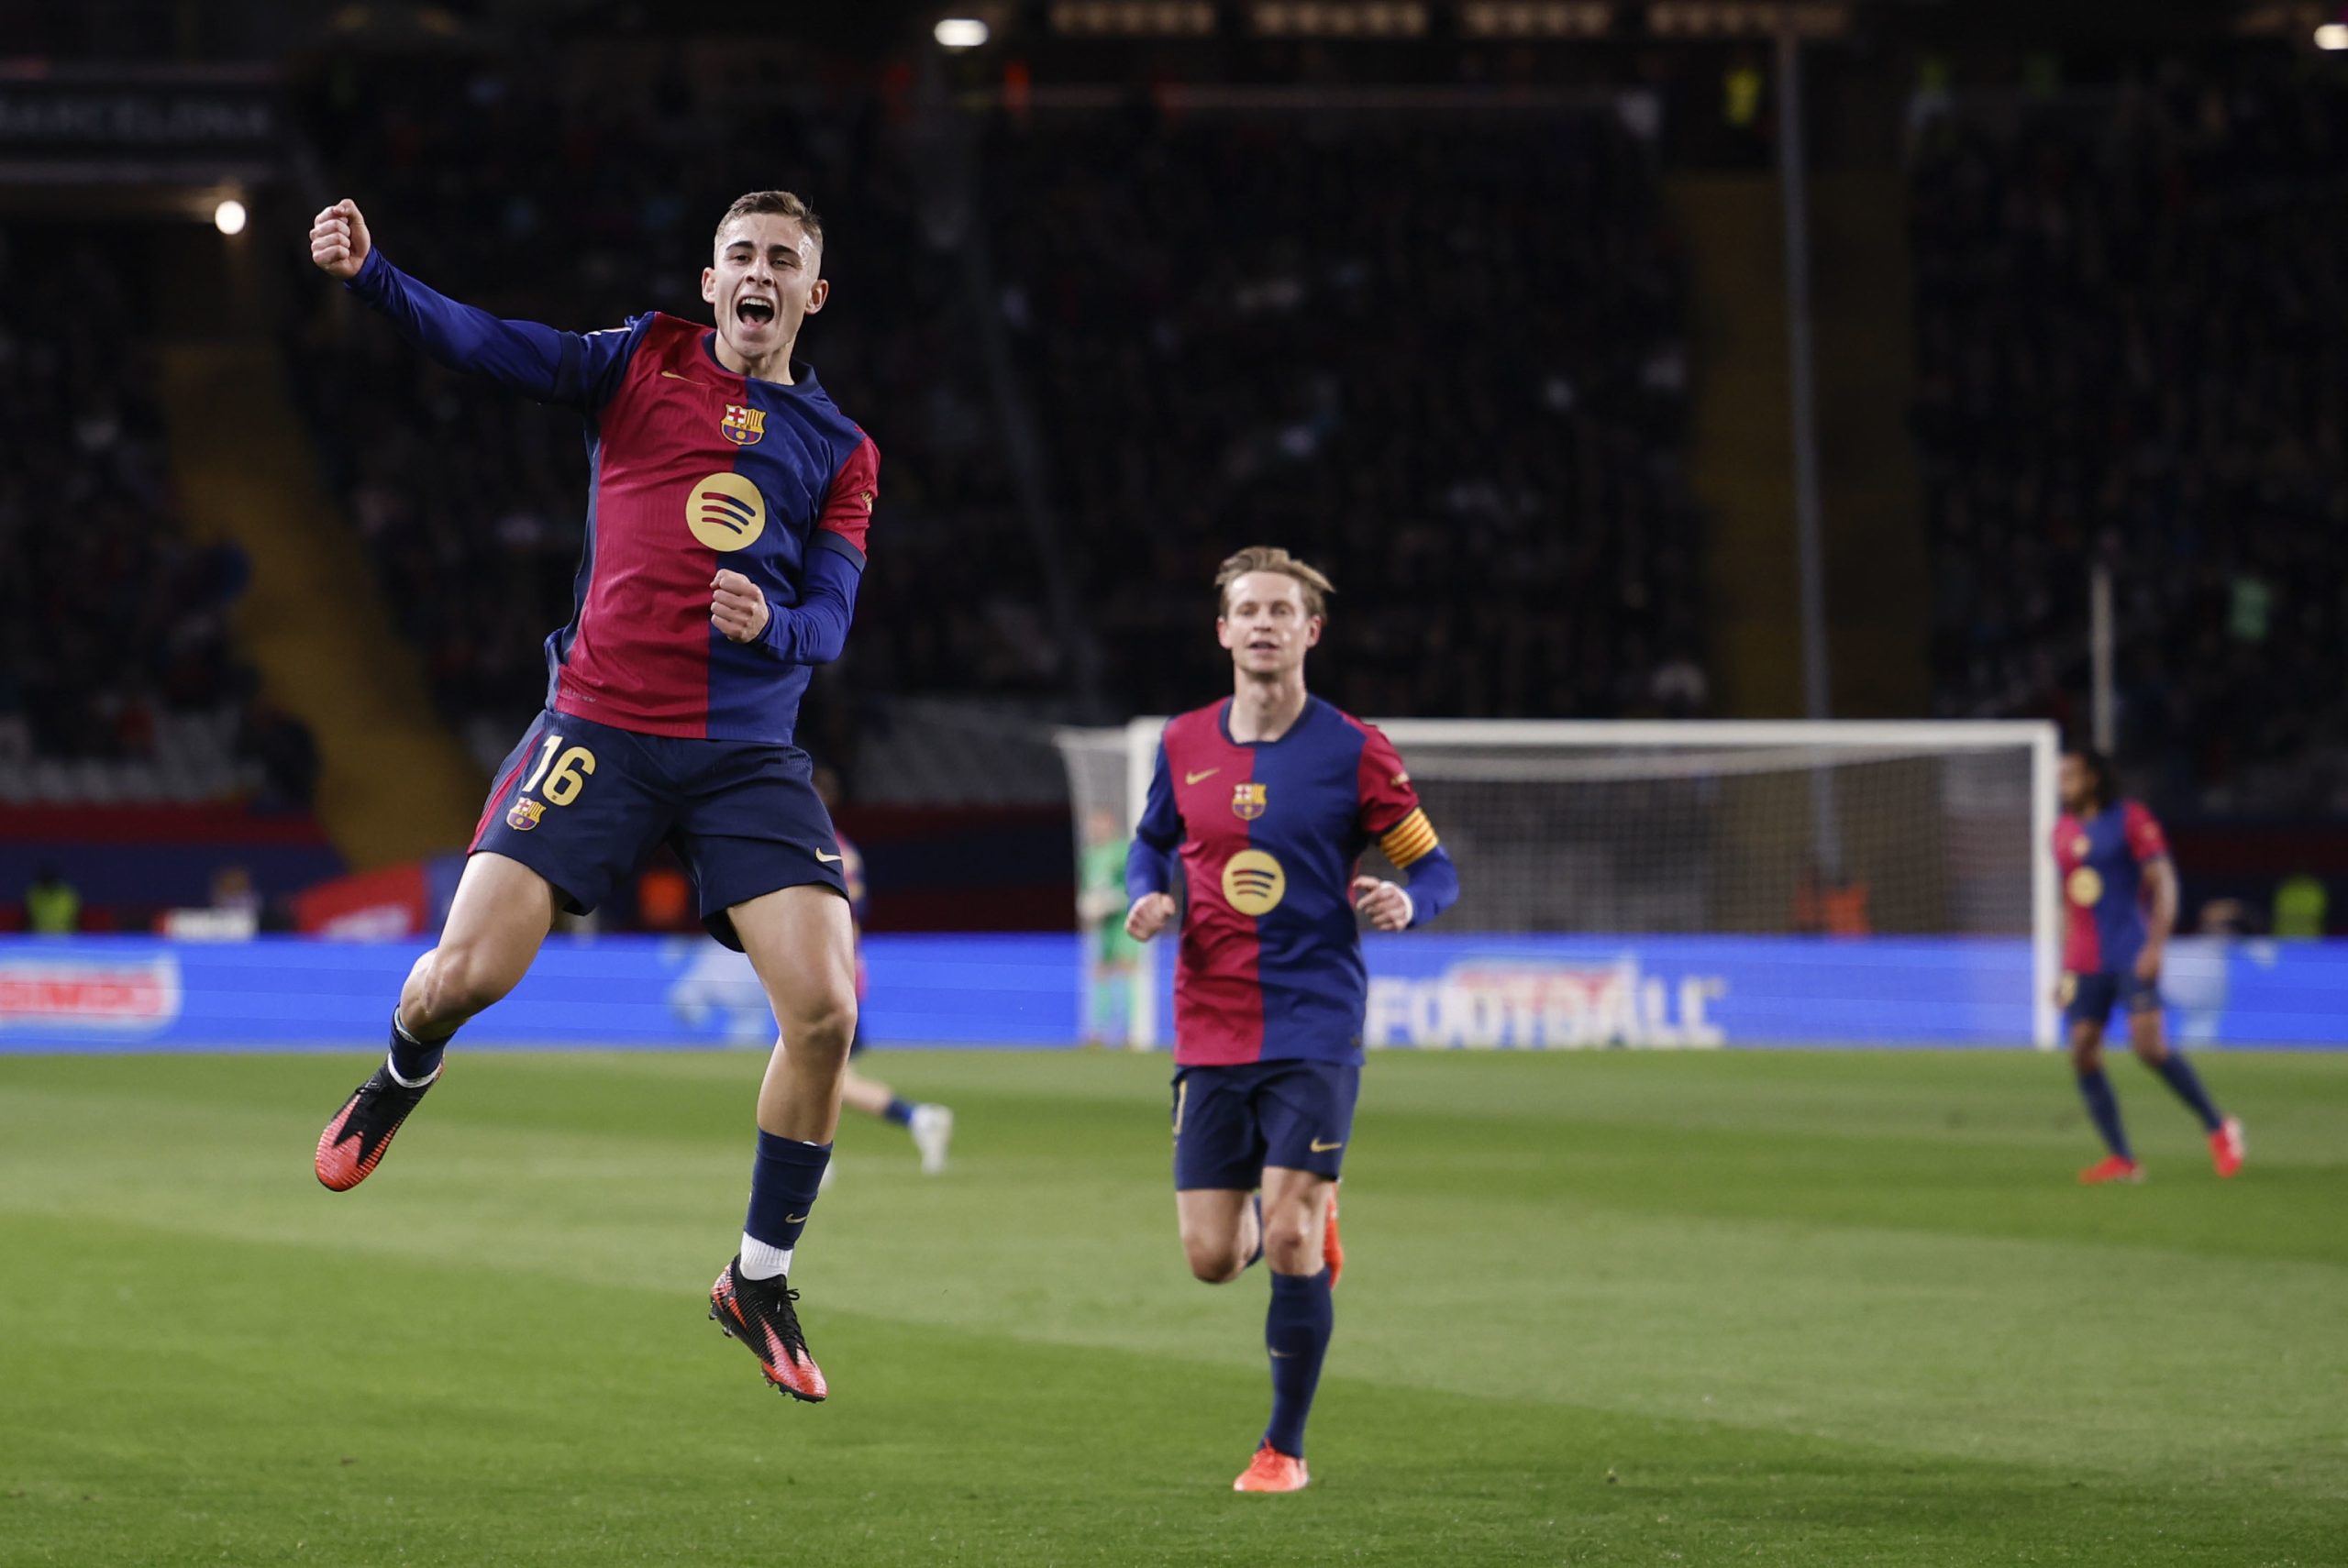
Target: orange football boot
<point>1333,1251</point>
<point>1272,1470</point>
<point>2113,1169</point>
<point>2227,1146</point>
<point>760,1313</point>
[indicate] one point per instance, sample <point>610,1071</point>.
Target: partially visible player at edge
<point>2114,862</point>
<point>722,561</point>
<point>1263,804</point>
<point>932,1126</point>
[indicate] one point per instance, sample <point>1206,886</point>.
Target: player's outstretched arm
<point>523,356</point>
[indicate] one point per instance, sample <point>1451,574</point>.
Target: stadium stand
<point>118,682</point>
<point>2133,329</point>
<point>1300,330</point>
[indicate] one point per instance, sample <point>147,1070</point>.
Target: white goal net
<point>1782,842</point>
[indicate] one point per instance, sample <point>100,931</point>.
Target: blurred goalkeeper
<point>1262,805</point>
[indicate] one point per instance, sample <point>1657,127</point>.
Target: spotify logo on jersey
<point>2085,888</point>
<point>726,511</point>
<point>1254,882</point>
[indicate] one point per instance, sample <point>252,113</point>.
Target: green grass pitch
<point>1605,1308</point>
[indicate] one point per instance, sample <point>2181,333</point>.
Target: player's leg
<point>498,919</point>
<point>800,941</point>
<point>2147,1033</point>
<point>2089,1005</point>
<point>1222,1231</point>
<point>1307,1113</point>
<point>1218,1160</point>
<point>930,1126</point>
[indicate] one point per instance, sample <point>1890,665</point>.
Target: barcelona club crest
<point>1248,801</point>
<point>524,816</point>
<point>743,426</point>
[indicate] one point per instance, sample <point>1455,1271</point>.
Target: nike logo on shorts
<point>1318,1147</point>
<point>827,860</point>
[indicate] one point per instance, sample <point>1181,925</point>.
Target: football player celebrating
<point>727,505</point>
<point>2115,862</point>
<point>1262,805</point>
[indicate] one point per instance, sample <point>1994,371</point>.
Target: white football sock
<point>406,1083</point>
<point>760,1261</point>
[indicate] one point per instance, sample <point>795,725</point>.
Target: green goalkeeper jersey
<point>1100,888</point>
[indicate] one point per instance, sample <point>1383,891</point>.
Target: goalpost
<point>1882,858</point>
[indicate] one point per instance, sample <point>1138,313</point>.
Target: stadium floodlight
<point>2332,35</point>
<point>228,217</point>
<point>1938,836</point>
<point>959,32</point>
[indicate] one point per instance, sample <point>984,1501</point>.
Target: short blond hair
<point>782,204</point>
<point>1271,558</point>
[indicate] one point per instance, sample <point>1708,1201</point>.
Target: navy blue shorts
<point>1230,1123</point>
<point>583,804</point>
<point>2089,999</point>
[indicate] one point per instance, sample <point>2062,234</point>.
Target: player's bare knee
<point>1290,1244</point>
<point>820,1030</point>
<point>1213,1262</point>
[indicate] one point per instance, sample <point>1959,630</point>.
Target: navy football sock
<point>783,1183</point>
<point>2180,1075</point>
<point>413,1061</point>
<point>899,1111</point>
<point>1296,1332</point>
<point>2104,1107</point>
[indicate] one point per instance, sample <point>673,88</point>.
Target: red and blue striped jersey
<point>2102,860</point>
<point>1270,836</point>
<point>692,469</point>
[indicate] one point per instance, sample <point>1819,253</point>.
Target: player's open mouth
<point>757,313</point>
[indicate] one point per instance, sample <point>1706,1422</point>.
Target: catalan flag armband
<point>1409,840</point>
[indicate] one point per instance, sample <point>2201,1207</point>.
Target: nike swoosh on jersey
<point>1318,1147</point>
<point>687,380</point>
<point>1194,777</point>
<point>828,859</point>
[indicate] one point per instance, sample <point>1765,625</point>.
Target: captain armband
<point>1411,839</point>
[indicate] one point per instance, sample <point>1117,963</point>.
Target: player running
<point>2115,861</point>
<point>932,1126</point>
<point>726,513</point>
<point>1266,800</point>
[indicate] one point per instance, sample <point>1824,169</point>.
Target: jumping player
<point>1264,801</point>
<point>727,505</point>
<point>2114,863</point>
<point>932,1126</point>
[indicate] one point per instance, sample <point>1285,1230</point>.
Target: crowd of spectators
<point>114,623</point>
<point>1443,359</point>
<point>2132,325</point>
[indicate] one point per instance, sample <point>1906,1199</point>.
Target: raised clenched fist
<point>338,241</point>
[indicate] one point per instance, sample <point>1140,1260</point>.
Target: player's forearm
<point>814,630</point>
<point>1148,869</point>
<point>2162,920</point>
<point>1433,885</point>
<point>523,356</point>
